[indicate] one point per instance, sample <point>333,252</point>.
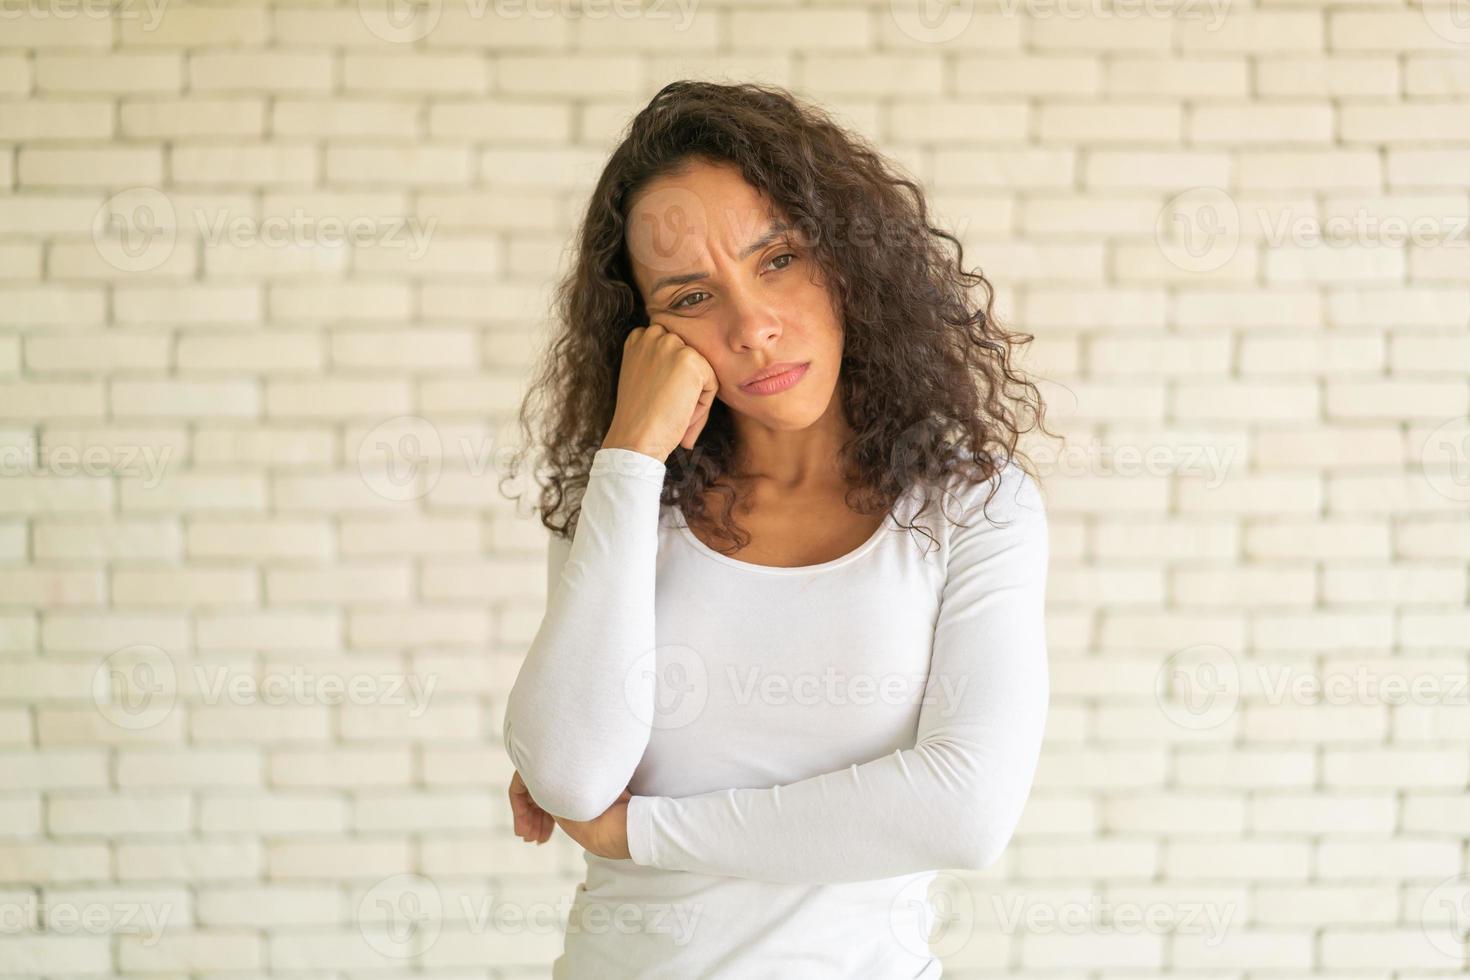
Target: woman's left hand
<point>607,835</point>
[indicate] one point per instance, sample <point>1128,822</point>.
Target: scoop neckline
<point>872,542</point>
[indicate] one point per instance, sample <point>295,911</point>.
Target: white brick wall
<point>238,240</point>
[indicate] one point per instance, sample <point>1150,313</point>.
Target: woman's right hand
<point>665,390</point>
<point>531,822</point>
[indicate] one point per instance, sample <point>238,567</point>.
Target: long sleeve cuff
<point>640,830</point>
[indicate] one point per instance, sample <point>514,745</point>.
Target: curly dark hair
<point>926,378</point>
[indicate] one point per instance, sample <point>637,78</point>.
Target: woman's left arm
<point>951,801</point>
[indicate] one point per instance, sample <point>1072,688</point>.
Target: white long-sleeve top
<point>806,746</point>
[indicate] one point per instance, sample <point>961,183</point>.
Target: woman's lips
<point>778,382</point>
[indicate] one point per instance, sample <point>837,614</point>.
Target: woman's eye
<point>683,302</point>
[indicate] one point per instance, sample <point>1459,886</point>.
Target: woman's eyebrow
<point>771,234</point>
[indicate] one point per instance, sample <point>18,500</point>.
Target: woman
<point>766,714</point>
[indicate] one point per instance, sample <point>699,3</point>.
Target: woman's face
<point>717,268</point>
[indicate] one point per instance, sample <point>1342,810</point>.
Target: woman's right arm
<point>580,713</point>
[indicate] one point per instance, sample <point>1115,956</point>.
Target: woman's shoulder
<point>991,488</point>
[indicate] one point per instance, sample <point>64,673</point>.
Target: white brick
<point>807,30</point>
<point>259,539</point>
<point>1212,78</point>
<point>61,769</point>
<point>1396,32</point>
<point>847,75</point>
<point>1431,75</point>
<point>57,119</point>
<point>972,121</point>
<point>212,585</point>
<point>284,72</point>
<point>60,588</point>
<point>191,770</point>
<point>15,74</point>
<point>216,860</point>
<point>1404,122</point>
<point>45,306</point>
<point>516,27</point>
<point>1115,122</point>
<point>375,399</point>
<point>1335,76</point>
<point>102,355</point>
<point>466,810</point>
<point>342,584</point>
<point>277,350</point>
<point>270,906</point>
<point>276,814</point>
<point>369,859</point>
<point>185,27</point>
<point>164,399</point>
<point>113,74</point>
<point>378,119</point>
<point>1032,75</point>
<point>348,768</point>
<point>1316,169</point>
<point>191,118</point>
<point>437,73</point>
<point>271,448</point>
<point>86,726</point>
<point>274,629</point>
<point>1261,859</point>
<point>198,951</point>
<point>128,815</point>
<point>1254,32</point>
<point>42,27</point>
<point>187,303</point>
<point>1274,123</point>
